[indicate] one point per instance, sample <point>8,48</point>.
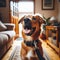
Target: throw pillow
<point>2,26</point>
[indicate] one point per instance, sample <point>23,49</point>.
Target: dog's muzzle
<point>28,29</point>
<point>27,23</point>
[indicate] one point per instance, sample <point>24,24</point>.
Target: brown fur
<point>24,48</point>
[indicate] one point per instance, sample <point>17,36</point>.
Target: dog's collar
<point>31,43</point>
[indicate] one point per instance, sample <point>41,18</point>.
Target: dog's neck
<point>31,43</point>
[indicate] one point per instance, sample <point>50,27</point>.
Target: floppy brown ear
<point>21,19</point>
<point>40,19</point>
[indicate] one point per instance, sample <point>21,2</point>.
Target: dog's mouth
<point>29,31</point>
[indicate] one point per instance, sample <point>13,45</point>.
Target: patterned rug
<point>15,54</point>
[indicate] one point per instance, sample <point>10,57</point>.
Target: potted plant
<point>47,20</point>
<point>43,28</point>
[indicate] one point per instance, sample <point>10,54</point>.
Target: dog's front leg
<point>23,52</point>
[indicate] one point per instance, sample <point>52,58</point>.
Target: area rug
<point>15,54</point>
<point>19,39</point>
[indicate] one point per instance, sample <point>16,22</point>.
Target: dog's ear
<point>22,18</point>
<point>40,19</point>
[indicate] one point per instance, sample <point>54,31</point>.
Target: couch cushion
<point>10,33</point>
<point>2,26</point>
<point>10,26</point>
<point>3,39</point>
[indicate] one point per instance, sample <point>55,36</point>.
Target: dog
<point>30,33</point>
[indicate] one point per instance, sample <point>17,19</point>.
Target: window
<point>26,7</point>
<point>14,8</point>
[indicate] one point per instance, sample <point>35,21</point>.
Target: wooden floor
<point>52,54</point>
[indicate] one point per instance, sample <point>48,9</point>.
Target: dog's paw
<point>24,58</point>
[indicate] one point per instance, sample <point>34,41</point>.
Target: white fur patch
<point>30,54</point>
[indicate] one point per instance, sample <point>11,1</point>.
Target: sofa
<point>7,34</point>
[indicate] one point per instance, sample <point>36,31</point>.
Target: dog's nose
<point>26,20</point>
<point>27,23</point>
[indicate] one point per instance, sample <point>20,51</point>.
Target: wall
<point>59,11</point>
<point>47,13</point>
<point>5,12</point>
<point>38,9</point>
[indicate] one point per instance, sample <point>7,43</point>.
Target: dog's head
<point>31,25</point>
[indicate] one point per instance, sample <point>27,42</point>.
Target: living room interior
<point>10,31</point>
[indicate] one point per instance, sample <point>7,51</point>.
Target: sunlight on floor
<point>20,30</point>
<point>16,43</point>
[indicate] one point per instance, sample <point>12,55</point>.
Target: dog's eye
<point>33,18</point>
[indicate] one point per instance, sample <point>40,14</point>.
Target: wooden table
<point>57,29</point>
